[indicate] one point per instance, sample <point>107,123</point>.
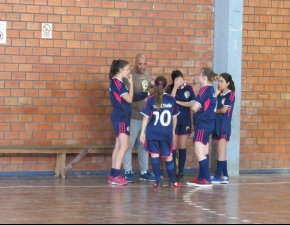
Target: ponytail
<point>116,66</point>
<point>160,83</point>
<point>228,78</point>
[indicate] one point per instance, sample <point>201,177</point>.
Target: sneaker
<point>225,180</point>
<point>110,180</point>
<point>174,185</point>
<point>203,183</point>
<point>119,181</point>
<point>157,185</point>
<point>180,178</point>
<point>193,181</point>
<point>147,176</point>
<point>216,180</point>
<point>128,176</point>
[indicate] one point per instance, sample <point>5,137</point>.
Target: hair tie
<point>160,82</point>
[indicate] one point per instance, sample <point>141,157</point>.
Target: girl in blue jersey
<point>121,100</point>
<point>160,118</point>
<point>184,97</point>
<point>222,131</point>
<point>204,120</point>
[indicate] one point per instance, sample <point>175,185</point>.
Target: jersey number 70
<point>162,117</point>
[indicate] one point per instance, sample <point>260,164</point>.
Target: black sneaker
<point>180,177</point>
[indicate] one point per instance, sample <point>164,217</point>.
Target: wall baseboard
<point>265,171</point>
<point>192,172</point>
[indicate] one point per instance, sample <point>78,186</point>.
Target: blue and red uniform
<point>204,118</point>
<point>183,94</point>
<point>159,135</point>
<point>122,110</point>
<point>222,127</point>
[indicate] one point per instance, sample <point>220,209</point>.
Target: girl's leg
<point>123,140</point>
<point>200,151</point>
<point>221,148</point>
<point>170,169</point>
<point>175,146</point>
<point>155,163</point>
<point>182,141</point>
<point>114,154</point>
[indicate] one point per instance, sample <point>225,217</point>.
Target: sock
<point>112,171</point>
<point>205,169</point>
<point>170,171</point>
<point>200,176</point>
<point>174,159</point>
<point>182,160</point>
<point>116,173</point>
<point>225,169</point>
<point>220,166</point>
<point>155,162</point>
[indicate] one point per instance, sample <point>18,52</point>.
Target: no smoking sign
<point>46,30</point>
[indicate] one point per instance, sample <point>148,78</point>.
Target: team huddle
<point>167,123</point>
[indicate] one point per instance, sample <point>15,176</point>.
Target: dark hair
<point>228,78</point>
<point>116,66</point>
<point>175,74</point>
<point>160,83</point>
<point>208,72</point>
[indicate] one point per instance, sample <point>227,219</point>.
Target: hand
<point>152,80</point>
<point>217,92</point>
<point>152,91</point>
<point>178,82</point>
<point>142,138</point>
<point>130,78</point>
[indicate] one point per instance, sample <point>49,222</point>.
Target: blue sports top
<point>183,94</point>
<point>122,110</point>
<point>159,127</point>
<point>205,117</point>
<point>223,121</point>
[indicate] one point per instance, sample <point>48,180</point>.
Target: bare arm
<point>195,107</point>
<point>144,125</point>
<point>174,122</point>
<point>129,97</point>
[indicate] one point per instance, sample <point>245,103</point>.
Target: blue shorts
<point>163,148</point>
<point>218,137</point>
<point>183,130</point>
<point>202,135</point>
<point>121,128</point>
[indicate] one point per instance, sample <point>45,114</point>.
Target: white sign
<point>46,30</point>
<point>3,32</point>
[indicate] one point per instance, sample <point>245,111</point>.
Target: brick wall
<point>55,91</point>
<point>265,76</point>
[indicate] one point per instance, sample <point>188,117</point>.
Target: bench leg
<point>76,160</point>
<point>60,165</point>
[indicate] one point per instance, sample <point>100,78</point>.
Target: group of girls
<point>167,123</point>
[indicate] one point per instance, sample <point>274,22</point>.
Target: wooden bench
<point>61,168</point>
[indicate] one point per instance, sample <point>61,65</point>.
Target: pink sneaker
<point>203,183</point>
<point>110,180</point>
<point>119,180</point>
<point>193,181</point>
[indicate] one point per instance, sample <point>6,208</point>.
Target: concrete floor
<point>247,199</point>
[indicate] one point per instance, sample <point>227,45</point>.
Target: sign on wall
<point>46,30</point>
<point>3,32</point>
